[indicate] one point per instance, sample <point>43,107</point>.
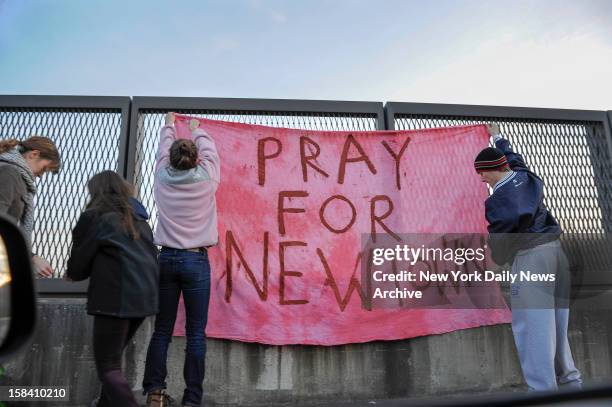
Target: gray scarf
<point>15,158</point>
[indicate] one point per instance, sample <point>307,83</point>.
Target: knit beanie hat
<point>490,159</point>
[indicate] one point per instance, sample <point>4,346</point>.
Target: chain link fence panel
<point>88,141</point>
<point>572,156</point>
<point>573,159</point>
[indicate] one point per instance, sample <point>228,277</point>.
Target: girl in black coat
<point>113,247</point>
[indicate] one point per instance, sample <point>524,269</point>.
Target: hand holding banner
<point>292,208</point>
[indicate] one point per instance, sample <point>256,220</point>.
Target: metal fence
<point>570,149</point>
<point>148,117</point>
<point>91,134</point>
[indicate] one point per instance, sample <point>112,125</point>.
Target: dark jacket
<point>13,191</point>
<point>517,216</point>
<point>123,272</point>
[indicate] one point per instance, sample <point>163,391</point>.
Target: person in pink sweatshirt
<point>187,174</point>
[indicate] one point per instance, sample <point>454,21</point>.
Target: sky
<point>535,53</point>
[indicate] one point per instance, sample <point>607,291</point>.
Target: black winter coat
<point>123,272</point>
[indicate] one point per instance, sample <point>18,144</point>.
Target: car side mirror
<point>17,294</point>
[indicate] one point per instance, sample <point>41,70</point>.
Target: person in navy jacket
<point>523,233</point>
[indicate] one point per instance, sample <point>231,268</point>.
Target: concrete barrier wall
<point>473,360</point>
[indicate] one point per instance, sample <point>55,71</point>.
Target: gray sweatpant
<point>540,313</point>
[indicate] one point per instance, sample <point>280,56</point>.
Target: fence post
<point>389,113</point>
<point>124,138</point>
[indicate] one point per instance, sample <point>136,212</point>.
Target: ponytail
<point>7,145</point>
<point>45,146</point>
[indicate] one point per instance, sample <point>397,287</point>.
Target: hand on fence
<point>493,129</point>
<point>42,268</point>
<point>170,118</point>
<point>194,124</point>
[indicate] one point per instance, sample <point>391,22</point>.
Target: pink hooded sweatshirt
<point>185,199</point>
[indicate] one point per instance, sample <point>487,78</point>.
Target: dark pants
<point>189,273</point>
<point>111,336</point>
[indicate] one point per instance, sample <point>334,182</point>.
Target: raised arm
<point>207,151</point>
<point>167,135</point>
<point>515,160</point>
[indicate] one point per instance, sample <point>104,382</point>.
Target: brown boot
<point>159,398</point>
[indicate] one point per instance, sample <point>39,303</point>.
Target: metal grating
<point>88,141</point>
<point>570,156</point>
<point>151,121</point>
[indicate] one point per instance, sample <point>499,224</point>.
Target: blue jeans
<point>189,273</point>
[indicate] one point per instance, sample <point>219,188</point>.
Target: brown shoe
<point>159,398</point>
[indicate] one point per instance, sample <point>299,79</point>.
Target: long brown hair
<point>183,154</point>
<point>110,192</point>
<point>44,145</point>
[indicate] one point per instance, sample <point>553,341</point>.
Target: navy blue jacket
<point>516,206</point>
<point>123,272</point>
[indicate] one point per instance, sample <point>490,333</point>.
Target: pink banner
<point>293,205</point>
